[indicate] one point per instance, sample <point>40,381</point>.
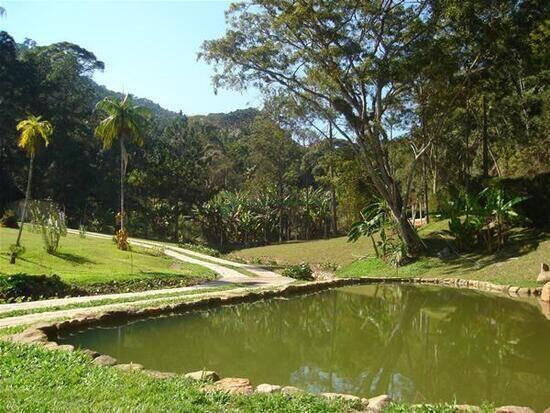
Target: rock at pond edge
<point>268,388</point>
<point>378,404</point>
<point>544,275</point>
<point>203,375</point>
<point>104,360</point>
<point>291,390</point>
<point>159,374</point>
<point>129,367</point>
<point>514,409</point>
<point>233,385</point>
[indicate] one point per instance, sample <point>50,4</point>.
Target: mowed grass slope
<point>518,263</point>
<point>335,250</point>
<point>81,261</point>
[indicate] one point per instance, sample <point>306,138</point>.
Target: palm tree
<point>33,133</point>
<point>124,121</point>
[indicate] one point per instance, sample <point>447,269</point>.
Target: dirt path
<point>262,278</point>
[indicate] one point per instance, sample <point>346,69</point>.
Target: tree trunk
<point>176,223</point>
<point>485,140</point>
<point>306,223</point>
<point>24,212</point>
<point>409,236</point>
<point>406,231</point>
<point>334,217</point>
<point>121,183</point>
<point>425,189</point>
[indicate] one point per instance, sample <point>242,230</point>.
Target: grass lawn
<point>518,263</point>
<point>36,379</point>
<point>335,250</point>
<point>82,261</point>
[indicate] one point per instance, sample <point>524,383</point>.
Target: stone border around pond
<point>46,334</point>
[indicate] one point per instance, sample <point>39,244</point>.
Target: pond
<point>416,343</point>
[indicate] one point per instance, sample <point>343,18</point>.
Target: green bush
<point>9,219</point>
<point>300,272</point>
<point>32,287</point>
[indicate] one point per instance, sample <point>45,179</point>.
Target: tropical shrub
<point>51,221</point>
<point>482,219</point>
<point>375,220</point>
<point>121,240</point>
<point>9,219</point>
<point>82,231</point>
<point>301,271</point>
<point>16,250</point>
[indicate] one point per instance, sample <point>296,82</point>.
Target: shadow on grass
<point>521,241</point>
<point>77,259</point>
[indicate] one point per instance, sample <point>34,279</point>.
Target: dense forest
<point>412,104</point>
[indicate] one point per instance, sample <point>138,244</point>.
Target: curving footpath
<point>227,276</point>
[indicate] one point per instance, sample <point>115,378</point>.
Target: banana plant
<point>374,219</point>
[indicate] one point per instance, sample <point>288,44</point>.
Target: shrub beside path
<point>227,276</point>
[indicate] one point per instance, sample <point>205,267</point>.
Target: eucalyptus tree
<point>358,58</point>
<point>126,122</point>
<point>34,133</point>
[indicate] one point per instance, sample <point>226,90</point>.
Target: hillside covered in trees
<point>448,100</point>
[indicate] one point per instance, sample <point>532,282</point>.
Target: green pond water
<point>419,344</point>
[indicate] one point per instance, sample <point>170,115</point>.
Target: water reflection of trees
<point>419,343</point>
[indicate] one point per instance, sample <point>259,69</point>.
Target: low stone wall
<point>47,334</point>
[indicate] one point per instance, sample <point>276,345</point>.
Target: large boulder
<point>544,274</point>
<point>545,294</point>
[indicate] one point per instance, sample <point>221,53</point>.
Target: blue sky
<point>149,47</point>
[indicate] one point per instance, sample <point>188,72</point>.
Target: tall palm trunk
<point>24,213</point>
<point>122,183</point>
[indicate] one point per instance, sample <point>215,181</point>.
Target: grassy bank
<point>35,379</point>
<point>518,263</point>
<point>85,262</point>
